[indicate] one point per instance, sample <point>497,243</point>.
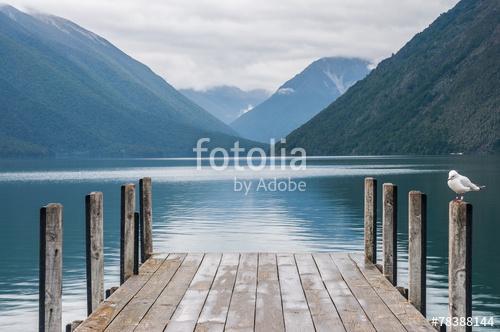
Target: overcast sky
<point>246,43</point>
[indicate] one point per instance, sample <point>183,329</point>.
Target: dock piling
<point>50,278</point>
<point>460,264</point>
<point>370,217</point>
<point>146,218</point>
<point>127,232</point>
<point>94,250</point>
<point>389,232</point>
<point>136,243</point>
<point>417,249</point>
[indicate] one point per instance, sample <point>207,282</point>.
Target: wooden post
<point>136,243</point>
<point>417,249</point>
<point>127,232</point>
<point>389,232</point>
<point>146,224</point>
<point>460,263</point>
<point>94,250</point>
<point>371,220</point>
<point>50,278</point>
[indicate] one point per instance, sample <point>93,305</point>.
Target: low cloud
<point>246,43</point>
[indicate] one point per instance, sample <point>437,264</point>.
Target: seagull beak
<point>449,179</point>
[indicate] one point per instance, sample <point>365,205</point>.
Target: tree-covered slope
<point>439,94</point>
<point>300,98</point>
<point>66,91</point>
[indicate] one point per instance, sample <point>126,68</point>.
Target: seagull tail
<point>482,187</point>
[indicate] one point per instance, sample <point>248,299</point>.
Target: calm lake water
<point>198,210</point>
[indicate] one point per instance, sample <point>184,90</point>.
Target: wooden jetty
<point>255,291</point>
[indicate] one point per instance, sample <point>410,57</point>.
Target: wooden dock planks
<point>111,307</point>
<point>323,310</point>
<point>268,309</point>
<point>350,311</point>
<point>241,315</point>
<point>214,314</point>
<point>163,308</point>
<point>256,292</point>
<point>131,315</point>
<point>295,307</point>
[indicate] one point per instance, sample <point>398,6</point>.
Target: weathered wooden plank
<point>268,309</point>
<point>295,309</point>
<point>127,232</point>
<point>111,307</point>
<point>389,232</point>
<point>146,211</point>
<point>350,311</point>
<point>417,249</point>
<point>94,250</point>
<point>371,219</point>
<point>214,313</point>
<point>138,306</point>
<point>460,263</point>
<point>241,314</point>
<point>50,279</point>
<point>377,311</point>
<point>163,308</point>
<point>323,311</point>
<point>187,312</point>
<point>408,315</point>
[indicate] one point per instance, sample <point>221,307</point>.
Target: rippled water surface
<point>199,210</point>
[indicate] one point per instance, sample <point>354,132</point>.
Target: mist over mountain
<point>226,102</point>
<point>438,94</point>
<point>300,98</point>
<point>66,91</point>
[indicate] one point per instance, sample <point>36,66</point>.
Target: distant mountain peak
<point>9,11</point>
<point>300,98</point>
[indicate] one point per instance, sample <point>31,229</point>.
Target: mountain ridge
<point>67,91</point>
<point>438,94</point>
<point>300,98</point>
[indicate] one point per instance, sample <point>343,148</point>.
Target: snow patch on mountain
<point>285,91</point>
<point>338,81</point>
<point>247,109</point>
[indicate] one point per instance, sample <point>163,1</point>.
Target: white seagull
<point>461,184</point>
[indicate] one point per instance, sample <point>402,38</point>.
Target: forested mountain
<point>439,94</point>
<point>67,91</point>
